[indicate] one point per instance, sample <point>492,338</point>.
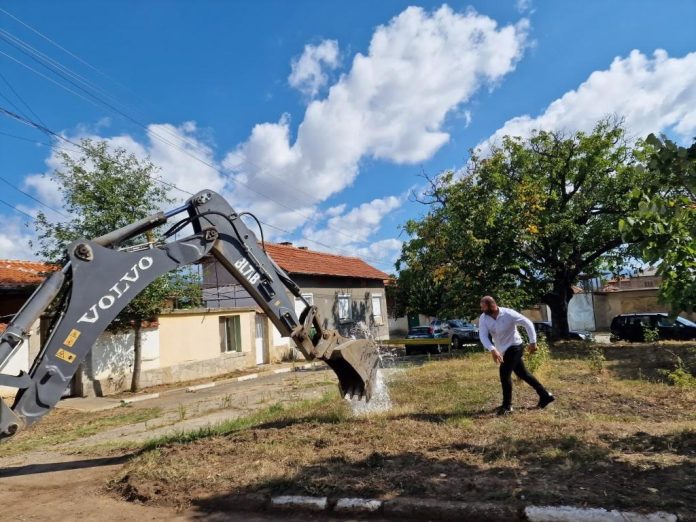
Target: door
<point>261,335</point>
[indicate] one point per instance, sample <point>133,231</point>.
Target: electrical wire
<point>6,81</point>
<point>32,197</point>
<point>178,137</point>
<point>45,129</point>
<point>18,210</point>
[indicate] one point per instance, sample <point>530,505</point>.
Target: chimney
<point>303,248</point>
<point>286,243</point>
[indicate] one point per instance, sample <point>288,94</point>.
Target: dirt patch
<point>608,441</point>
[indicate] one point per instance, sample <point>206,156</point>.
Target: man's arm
<point>486,342</point>
<point>529,326</point>
<point>483,335</point>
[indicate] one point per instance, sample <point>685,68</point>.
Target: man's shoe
<point>545,401</point>
<point>504,410</point>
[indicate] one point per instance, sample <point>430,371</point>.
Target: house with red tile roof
<point>346,290</point>
<point>230,333</point>
<point>18,280</point>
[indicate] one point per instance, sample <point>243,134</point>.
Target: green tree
<point>103,190</point>
<point>664,223</point>
<point>525,221</point>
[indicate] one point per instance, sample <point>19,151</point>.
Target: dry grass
<point>610,439</point>
<point>63,426</point>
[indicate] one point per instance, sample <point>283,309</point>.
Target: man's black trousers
<point>512,362</point>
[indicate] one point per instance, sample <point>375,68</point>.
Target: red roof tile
<point>15,273</point>
<point>296,260</point>
<point>2,327</point>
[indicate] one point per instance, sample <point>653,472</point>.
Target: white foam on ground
<point>380,400</point>
<point>574,514</point>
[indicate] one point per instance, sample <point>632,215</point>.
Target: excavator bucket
<point>355,364</point>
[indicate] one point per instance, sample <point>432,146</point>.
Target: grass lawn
<point>63,426</point>
<point>618,436</point>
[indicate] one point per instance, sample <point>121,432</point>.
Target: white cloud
<point>387,251</point>
<point>307,73</point>
<point>391,104</point>
<point>183,160</point>
<point>345,229</point>
<point>523,6</point>
<point>14,240</point>
<point>346,232</point>
<point>335,211</point>
<point>652,94</point>
<point>44,188</point>
<point>421,67</point>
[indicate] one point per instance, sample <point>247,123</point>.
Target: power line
<point>16,209</point>
<point>32,52</point>
<point>32,197</point>
<point>43,128</point>
<point>167,142</point>
<point>18,96</point>
<point>37,142</point>
<point>62,48</point>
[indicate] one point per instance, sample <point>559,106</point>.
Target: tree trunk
<point>137,355</point>
<point>558,300</point>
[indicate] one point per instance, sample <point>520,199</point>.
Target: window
<point>230,334</point>
<point>665,322</point>
<point>299,303</point>
<point>343,307</point>
<point>377,309</point>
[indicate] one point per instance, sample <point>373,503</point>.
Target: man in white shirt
<point>507,349</point>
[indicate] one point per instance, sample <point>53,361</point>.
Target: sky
<point>322,118</point>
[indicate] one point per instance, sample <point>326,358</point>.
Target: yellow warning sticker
<point>66,355</point>
<point>72,337</point>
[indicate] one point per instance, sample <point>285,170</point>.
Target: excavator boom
<point>100,279</point>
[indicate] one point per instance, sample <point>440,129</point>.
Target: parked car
<point>426,332</point>
<point>439,326</point>
<point>631,327</point>
<point>462,332</point>
<point>544,327</point>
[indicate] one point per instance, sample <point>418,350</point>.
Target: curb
<point>196,387</point>
<point>140,398</point>
<point>200,387</point>
<point>248,377</point>
<point>410,508</point>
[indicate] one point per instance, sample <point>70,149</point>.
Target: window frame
<point>227,333</point>
<point>378,319</point>
<point>349,317</point>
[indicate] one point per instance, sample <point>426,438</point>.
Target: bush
<point>680,376</point>
<point>596,360</point>
<point>651,335</point>
<point>534,361</point>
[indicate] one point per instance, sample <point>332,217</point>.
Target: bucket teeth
<point>355,364</point>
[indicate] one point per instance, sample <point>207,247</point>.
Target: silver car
<point>462,332</point>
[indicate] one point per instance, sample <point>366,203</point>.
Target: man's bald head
<point>488,305</point>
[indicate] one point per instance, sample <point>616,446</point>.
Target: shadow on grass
<point>681,443</point>
<point>550,471</point>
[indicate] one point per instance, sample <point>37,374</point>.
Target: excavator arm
<point>100,279</point>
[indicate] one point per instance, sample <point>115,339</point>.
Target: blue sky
<point>320,117</point>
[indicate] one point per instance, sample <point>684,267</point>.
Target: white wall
<point>112,355</point>
<point>19,361</point>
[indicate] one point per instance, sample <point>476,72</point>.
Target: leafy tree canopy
<point>523,222</point>
<point>664,223</point>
